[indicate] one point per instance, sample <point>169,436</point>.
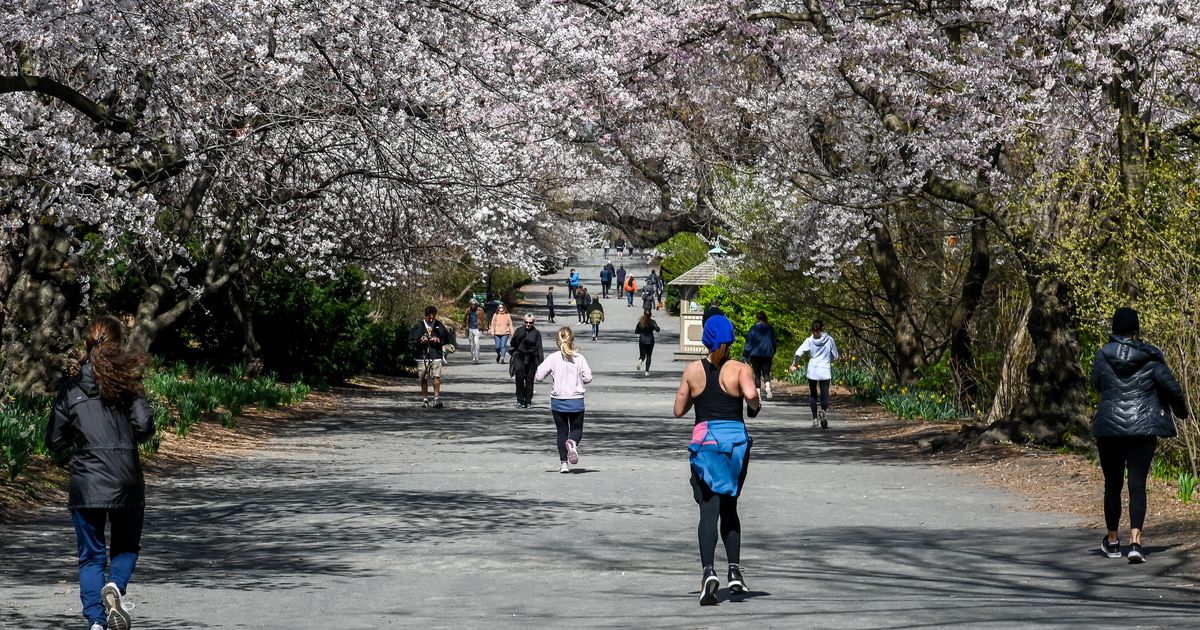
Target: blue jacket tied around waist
<point>718,451</point>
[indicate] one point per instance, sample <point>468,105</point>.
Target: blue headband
<point>717,330</point>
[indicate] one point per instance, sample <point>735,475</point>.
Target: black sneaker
<point>737,583</point>
<point>1110,549</point>
<point>425,403</point>
<point>708,587</point>
<point>824,421</point>
<point>437,403</point>
<point>1135,554</point>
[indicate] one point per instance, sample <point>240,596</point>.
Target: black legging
<point>524,370</point>
<point>762,369</point>
<point>1117,454</point>
<point>812,395</point>
<point>719,511</point>
<point>570,427</point>
<point>581,310</point>
<point>644,352</point>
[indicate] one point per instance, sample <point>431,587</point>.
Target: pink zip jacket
<point>569,376</point>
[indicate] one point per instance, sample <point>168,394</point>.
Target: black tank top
<point>713,403</point>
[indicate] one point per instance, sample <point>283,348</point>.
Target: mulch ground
<point>1049,481</point>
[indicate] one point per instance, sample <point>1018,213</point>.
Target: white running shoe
<point>116,608</point>
<point>572,452</point>
<point>816,423</point>
<point>639,367</point>
<point>768,388</point>
<point>564,468</point>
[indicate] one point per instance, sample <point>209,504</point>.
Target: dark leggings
<point>812,395</point>
<point>644,352</point>
<point>1116,455</point>
<point>524,370</point>
<point>719,511</point>
<point>570,427</point>
<point>762,369</point>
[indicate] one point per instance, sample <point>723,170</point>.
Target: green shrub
<point>23,421</point>
<point>386,348</point>
<point>1187,486</point>
<point>919,405</point>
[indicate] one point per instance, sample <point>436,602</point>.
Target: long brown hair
<point>644,322</point>
<point>118,372</point>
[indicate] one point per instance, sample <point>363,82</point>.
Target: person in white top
<point>571,373</point>
<point>822,351</point>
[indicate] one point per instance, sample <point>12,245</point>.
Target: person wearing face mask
<point>526,349</point>
<point>822,351</point>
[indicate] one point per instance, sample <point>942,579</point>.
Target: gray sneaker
<point>1135,554</point>
<point>1110,549</point>
<point>821,418</point>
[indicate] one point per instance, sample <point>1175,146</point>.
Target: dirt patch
<point>1049,481</point>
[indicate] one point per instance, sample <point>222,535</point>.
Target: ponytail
<point>566,343</point>
<point>118,372</point>
<point>719,356</point>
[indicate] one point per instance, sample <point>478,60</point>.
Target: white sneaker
<point>816,423</point>
<point>768,388</point>
<point>646,373</point>
<point>564,468</point>
<point>96,626</point>
<point>639,367</point>
<point>116,608</point>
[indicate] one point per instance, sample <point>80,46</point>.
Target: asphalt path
<point>389,515</point>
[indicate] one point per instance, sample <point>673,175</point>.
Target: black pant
<point>719,511</point>
<point>812,395</point>
<point>582,310</point>
<point>550,307</point>
<point>605,287</point>
<point>570,427</point>
<point>762,369</point>
<point>1117,454</point>
<point>524,369</point>
<point>644,352</point>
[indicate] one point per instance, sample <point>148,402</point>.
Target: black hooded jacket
<point>1137,391</point>
<point>106,471</point>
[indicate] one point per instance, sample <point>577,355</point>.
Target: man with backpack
<point>430,337</point>
<point>605,281</point>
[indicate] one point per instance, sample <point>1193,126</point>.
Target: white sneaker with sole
<point>564,468</point>
<point>572,452</point>
<point>768,388</point>
<point>639,367</point>
<point>821,418</point>
<point>116,607</point>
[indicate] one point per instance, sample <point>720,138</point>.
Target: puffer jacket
<point>1137,391</point>
<point>106,471</point>
<point>760,341</point>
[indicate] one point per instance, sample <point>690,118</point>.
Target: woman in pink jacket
<point>571,373</point>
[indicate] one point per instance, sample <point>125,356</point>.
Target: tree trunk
<point>962,356</point>
<point>1055,408</point>
<point>909,349</point>
<point>43,310</point>
<point>239,301</point>
<point>1013,384</point>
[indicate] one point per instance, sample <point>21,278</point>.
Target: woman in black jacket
<point>526,349</point>
<point>1138,392</point>
<point>103,414</point>
<point>645,329</point>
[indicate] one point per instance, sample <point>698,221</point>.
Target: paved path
<point>390,516</point>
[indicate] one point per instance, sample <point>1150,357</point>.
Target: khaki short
<point>429,369</point>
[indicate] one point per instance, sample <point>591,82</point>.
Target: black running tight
<point>1118,454</point>
<point>718,512</point>
<point>812,395</point>
<point>644,352</point>
<point>762,369</point>
<point>570,427</point>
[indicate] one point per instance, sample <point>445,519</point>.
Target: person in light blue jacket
<point>719,451</point>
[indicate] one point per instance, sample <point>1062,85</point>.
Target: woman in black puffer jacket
<point>1138,392</point>
<point>102,414</point>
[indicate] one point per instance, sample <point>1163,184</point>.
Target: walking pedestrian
<point>582,300</point>
<point>595,315</point>
<point>526,356</point>
<point>1138,394</point>
<point>605,281</point>
<point>720,450</point>
<point>550,304</point>
<point>621,281</point>
<point>662,288</point>
<point>430,337</point>
<point>822,351</point>
<point>714,308</point>
<point>475,322</point>
<point>102,414</point>
<point>630,289</point>
<point>648,297</point>
<point>645,329</point>
<point>621,247</point>
<point>502,328</point>
<point>759,351</point>
<point>571,373</point>
<point>607,246</point>
<point>573,281</point>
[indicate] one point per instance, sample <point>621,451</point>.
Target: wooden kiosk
<point>691,326</point>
